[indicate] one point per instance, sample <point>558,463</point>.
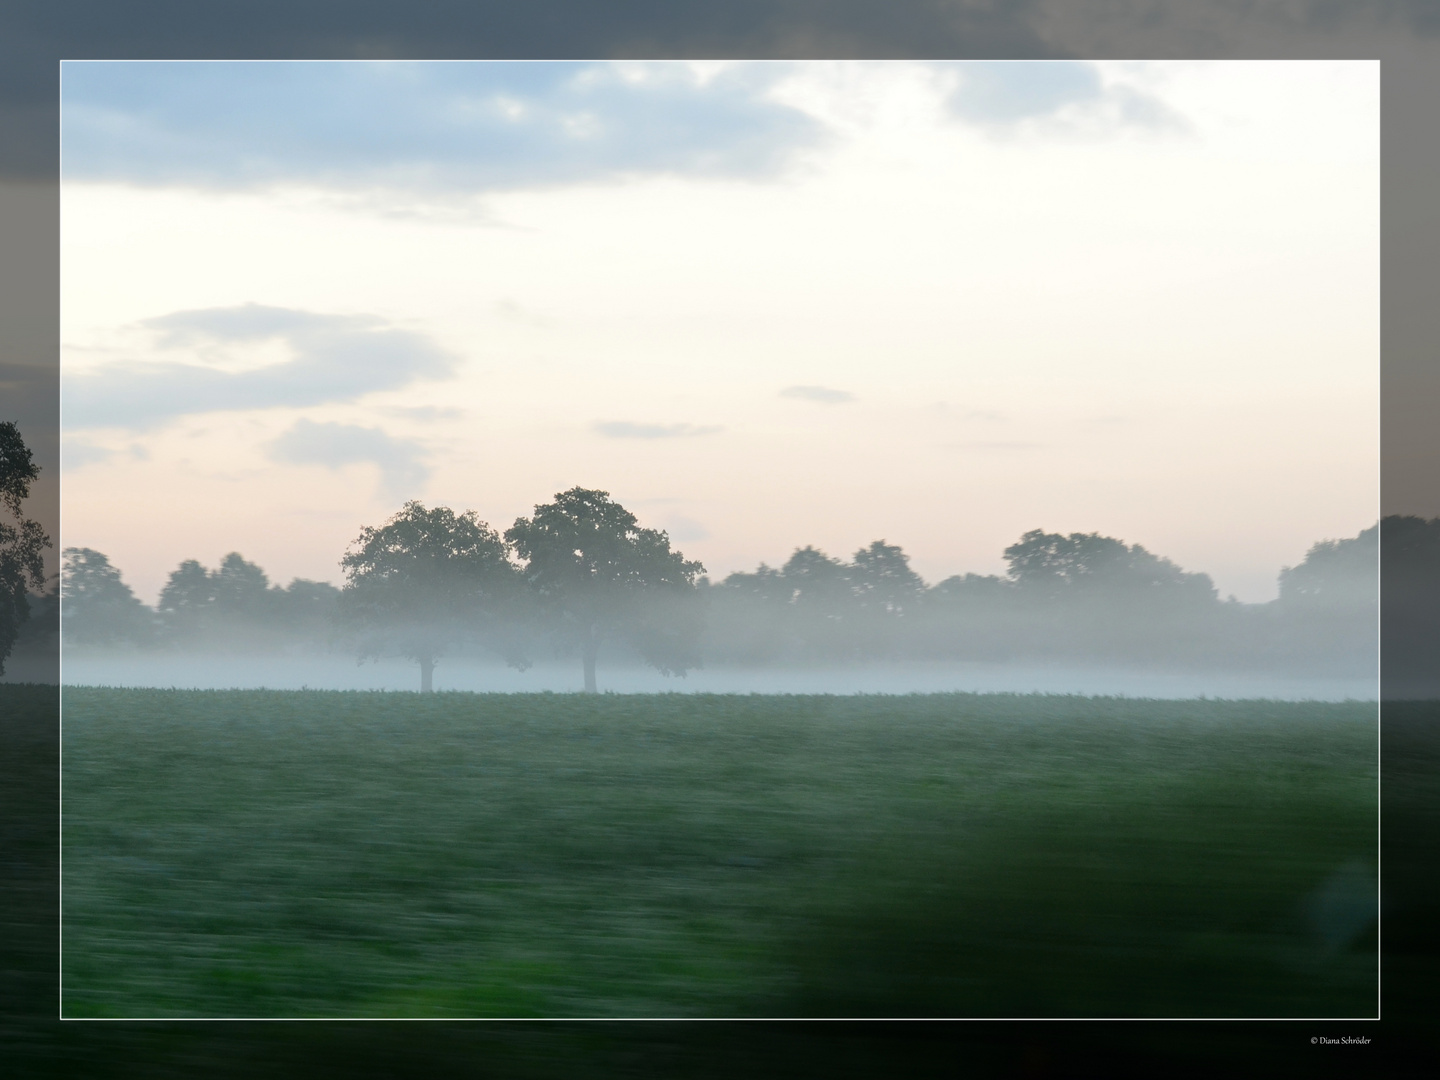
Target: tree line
<point>582,577</point>
<point>579,574</point>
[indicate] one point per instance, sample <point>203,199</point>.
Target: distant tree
<point>1336,573</point>
<point>22,545</point>
<point>766,586</point>
<point>1327,613</point>
<point>819,585</point>
<point>187,600</point>
<point>978,588</point>
<point>231,600</point>
<point>307,608</point>
<point>100,609</point>
<point>235,604</point>
<point>747,616</point>
<point>881,579</point>
<point>974,616</point>
<point>240,590</point>
<point>1087,564</point>
<point>423,579</point>
<point>818,606</point>
<point>597,574</point>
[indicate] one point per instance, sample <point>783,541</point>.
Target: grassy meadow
<point>332,854</point>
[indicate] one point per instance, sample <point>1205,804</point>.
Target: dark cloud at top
<point>454,126</point>
<point>335,358</point>
<point>34,37</point>
<point>474,126</point>
<point>998,93</point>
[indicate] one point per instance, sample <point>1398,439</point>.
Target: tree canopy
<point>882,580</point>
<point>100,609</point>
<point>432,582</point>
<point>22,544</point>
<point>196,599</point>
<point>1055,566</point>
<point>17,469</point>
<point>1336,572</point>
<point>424,578</point>
<point>598,574</point>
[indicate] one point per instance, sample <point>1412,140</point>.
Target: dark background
<point>1403,34</point>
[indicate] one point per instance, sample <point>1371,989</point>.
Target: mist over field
<point>209,671</point>
<point>1080,614</point>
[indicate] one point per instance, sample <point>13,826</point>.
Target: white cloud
<point>336,358</point>
<point>402,469</point>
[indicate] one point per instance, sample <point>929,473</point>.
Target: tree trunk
<point>427,672</point>
<point>590,648</point>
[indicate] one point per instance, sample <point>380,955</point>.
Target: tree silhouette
<point>820,604</point>
<point>882,581</point>
<point>1329,605</point>
<point>187,597</point>
<point>100,609</point>
<point>1336,573</point>
<point>22,545</point>
<point>818,584</point>
<point>1087,564</point>
<point>423,579</point>
<point>233,599</point>
<point>597,574</point>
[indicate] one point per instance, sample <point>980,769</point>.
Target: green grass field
<point>309,854</point>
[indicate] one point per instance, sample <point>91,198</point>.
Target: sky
<point>762,304</point>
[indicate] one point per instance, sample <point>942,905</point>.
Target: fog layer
<point>451,607</point>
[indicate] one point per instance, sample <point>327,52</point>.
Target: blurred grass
<point>255,853</point>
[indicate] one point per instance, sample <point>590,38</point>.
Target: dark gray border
<point>36,35</point>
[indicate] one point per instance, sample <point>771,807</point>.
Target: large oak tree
<point>423,579</point>
<point>598,575</point>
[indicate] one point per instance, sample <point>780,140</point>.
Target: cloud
<point>440,127</point>
<point>77,453</point>
<point>823,394</point>
<point>402,470</point>
<point>1000,93</point>
<point>625,429</point>
<point>336,358</point>
<point>38,36</point>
